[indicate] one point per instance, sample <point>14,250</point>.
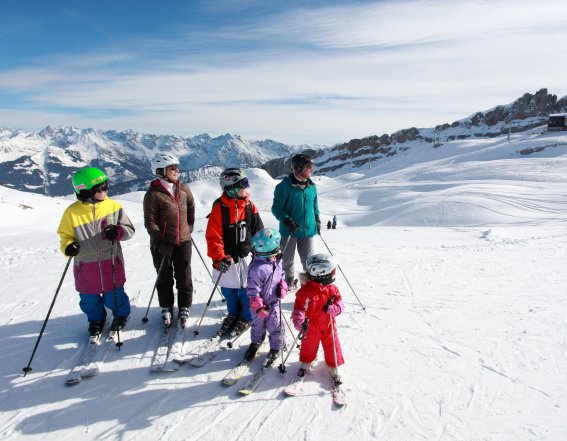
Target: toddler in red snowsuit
<point>321,304</point>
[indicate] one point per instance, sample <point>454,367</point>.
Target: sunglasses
<point>172,167</point>
<point>101,187</point>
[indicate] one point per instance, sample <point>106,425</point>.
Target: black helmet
<point>298,162</point>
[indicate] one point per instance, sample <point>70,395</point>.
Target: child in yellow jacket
<point>91,230</point>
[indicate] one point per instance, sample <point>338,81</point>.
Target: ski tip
<point>245,391</point>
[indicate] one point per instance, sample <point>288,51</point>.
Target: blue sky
<point>318,72</point>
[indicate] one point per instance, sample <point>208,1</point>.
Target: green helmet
<point>85,179</point>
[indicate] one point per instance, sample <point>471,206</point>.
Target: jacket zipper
<point>304,212</point>
<point>175,201</point>
<point>237,237</point>
<point>97,241</point>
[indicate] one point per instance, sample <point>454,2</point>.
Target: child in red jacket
<point>320,301</point>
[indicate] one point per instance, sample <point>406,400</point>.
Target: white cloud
<point>331,74</point>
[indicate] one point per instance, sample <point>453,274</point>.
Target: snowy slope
<point>457,254</point>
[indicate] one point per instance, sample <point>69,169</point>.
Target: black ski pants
<point>177,266</point>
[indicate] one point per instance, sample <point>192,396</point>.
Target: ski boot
<point>303,369</point>
<point>240,327</point>
<point>251,352</point>
<point>183,316</point>
<point>167,316</point>
<point>227,323</point>
<point>118,323</point>
<point>272,356</point>
<point>95,328</point>
<point>335,377</point>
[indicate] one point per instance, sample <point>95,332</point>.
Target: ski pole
<point>115,312</point>
<point>282,333</point>
<point>230,343</point>
<point>300,336</point>
<point>289,329</point>
<point>334,347</point>
<point>145,319</point>
<point>206,266</point>
<point>196,331</point>
<point>28,367</point>
<point>341,270</point>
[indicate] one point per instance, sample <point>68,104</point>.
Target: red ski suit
<point>309,302</point>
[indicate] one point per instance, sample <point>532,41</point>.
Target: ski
<point>175,356</point>
<point>97,350</point>
<point>206,351</point>
<point>88,355</point>
<point>258,377</point>
<point>210,348</point>
<point>295,386</point>
<point>238,371</point>
<point>162,351</point>
<point>338,393</point>
<point>106,348</point>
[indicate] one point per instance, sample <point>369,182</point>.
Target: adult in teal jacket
<point>295,206</point>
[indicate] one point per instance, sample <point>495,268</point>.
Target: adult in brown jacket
<point>169,216</point>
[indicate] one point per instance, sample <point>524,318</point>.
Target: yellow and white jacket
<point>84,222</point>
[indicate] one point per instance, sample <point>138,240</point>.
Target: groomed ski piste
<point>458,254</point>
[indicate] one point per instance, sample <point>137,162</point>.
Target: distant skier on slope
<point>89,229</point>
<point>234,219</point>
<point>320,301</point>
<point>266,287</point>
<point>169,217</point>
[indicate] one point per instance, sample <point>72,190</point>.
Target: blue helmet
<point>266,242</point>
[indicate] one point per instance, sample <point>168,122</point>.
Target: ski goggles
<point>101,187</point>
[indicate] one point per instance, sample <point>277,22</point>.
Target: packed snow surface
<point>458,256</point>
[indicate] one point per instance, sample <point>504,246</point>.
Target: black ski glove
<point>110,232</point>
<point>318,222</point>
<point>244,250</point>
<point>72,249</point>
<point>291,225</point>
<point>222,265</point>
<point>165,248</point>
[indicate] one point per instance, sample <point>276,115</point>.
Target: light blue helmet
<point>266,242</point>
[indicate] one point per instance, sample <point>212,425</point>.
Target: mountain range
<point>43,161</point>
<point>525,113</point>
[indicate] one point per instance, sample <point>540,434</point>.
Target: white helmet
<point>321,268</point>
<point>161,160</point>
